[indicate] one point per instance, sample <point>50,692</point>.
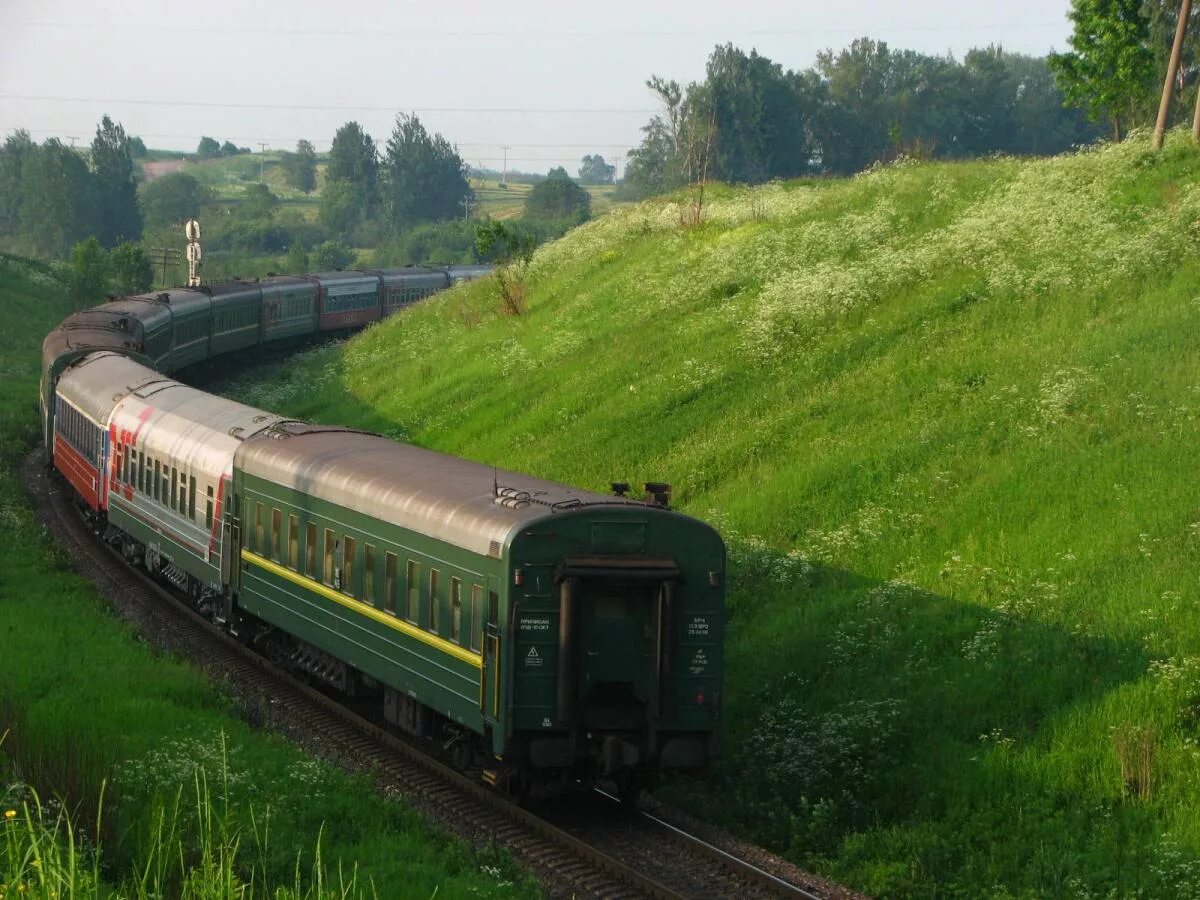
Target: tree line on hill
<point>751,120</point>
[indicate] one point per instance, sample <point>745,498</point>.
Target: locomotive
<point>541,633</point>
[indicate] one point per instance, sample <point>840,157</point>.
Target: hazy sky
<point>551,80</point>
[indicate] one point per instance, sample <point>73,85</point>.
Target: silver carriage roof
<point>466,504</point>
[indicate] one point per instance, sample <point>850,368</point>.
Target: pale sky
<point>551,80</point>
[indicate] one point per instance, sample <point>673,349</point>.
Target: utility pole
<point>504,175</point>
<point>468,205</point>
<point>262,153</point>
<point>617,168</point>
<point>1164,106</point>
<point>169,256</point>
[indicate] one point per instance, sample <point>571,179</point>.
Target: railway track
<point>593,848</point>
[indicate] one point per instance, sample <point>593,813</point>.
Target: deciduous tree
<point>131,270</point>
<point>558,197</point>
<point>1110,69</point>
<point>208,148</point>
<point>594,170</point>
<point>426,178</point>
<point>300,168</point>
<point>115,191</point>
<point>173,199</point>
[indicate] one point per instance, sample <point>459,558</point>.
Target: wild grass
<point>944,415</point>
<point>128,771</point>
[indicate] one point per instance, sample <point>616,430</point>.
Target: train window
<point>168,486</point>
<point>350,552</point>
<point>208,509</point>
<point>183,504</point>
<point>310,550</point>
<point>157,479</point>
<point>276,547</point>
<point>493,607</point>
<point>412,609</point>
<point>330,546</point>
<point>476,617</point>
<point>140,478</point>
<point>369,574</point>
<point>259,543</point>
<point>434,600</point>
<point>192,498</point>
<point>293,538</point>
<point>389,582</point>
<point>456,610</point>
<point>174,504</point>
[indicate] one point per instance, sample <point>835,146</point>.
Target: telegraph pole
<point>504,175</point>
<point>262,153</point>
<point>168,255</point>
<point>1164,106</point>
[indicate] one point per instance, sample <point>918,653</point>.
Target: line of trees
<point>51,196</point>
<point>751,120</point>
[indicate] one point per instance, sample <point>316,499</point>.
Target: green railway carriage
<point>237,315</point>
<point>191,326</point>
<point>289,307</point>
<point>560,632</point>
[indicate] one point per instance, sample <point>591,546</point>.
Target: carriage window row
<point>79,431</point>
<point>236,318</point>
<point>186,332</point>
<point>340,559</point>
<point>164,484</point>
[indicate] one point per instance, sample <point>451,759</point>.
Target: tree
<point>89,272</point>
<point>229,148</point>
<point>208,148</point>
<point>173,199</point>
<point>594,170</point>
<point>332,255</point>
<point>511,249</point>
<point>426,178</point>
<point>131,269</point>
<point>137,147</point>
<point>652,167</point>
<point>17,148</point>
<point>354,164</point>
<point>57,207</point>
<point>116,193</point>
<point>258,203</point>
<point>558,197</point>
<point>300,168</point>
<point>1110,70</point>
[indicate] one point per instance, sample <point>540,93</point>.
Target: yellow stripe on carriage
<point>365,609</point>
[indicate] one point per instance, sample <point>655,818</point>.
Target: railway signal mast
<point>194,255</point>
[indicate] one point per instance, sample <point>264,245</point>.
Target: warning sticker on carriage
<point>533,659</point>
<point>699,663</point>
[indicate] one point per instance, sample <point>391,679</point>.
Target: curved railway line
<point>590,848</point>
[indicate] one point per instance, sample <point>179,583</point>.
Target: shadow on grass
<point>872,723</point>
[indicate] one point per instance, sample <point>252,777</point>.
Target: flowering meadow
<point>946,416</point>
<point>125,773</point>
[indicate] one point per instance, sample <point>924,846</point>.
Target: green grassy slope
<point>946,416</point>
<point>82,700</point>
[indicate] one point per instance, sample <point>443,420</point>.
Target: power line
<point>595,145</point>
<point>548,110</point>
<point>525,35</point>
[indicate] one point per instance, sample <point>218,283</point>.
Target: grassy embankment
<point>197,803</point>
<point>946,416</point>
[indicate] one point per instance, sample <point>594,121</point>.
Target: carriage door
<point>490,689</point>
<point>617,642</point>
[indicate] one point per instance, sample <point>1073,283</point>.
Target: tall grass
<point>944,415</point>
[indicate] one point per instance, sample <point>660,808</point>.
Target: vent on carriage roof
<point>494,549</point>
